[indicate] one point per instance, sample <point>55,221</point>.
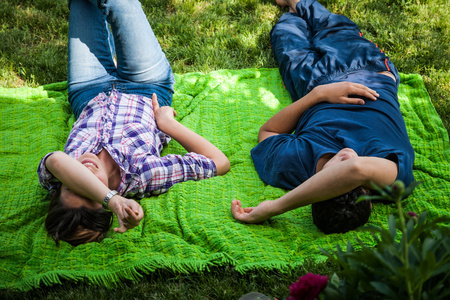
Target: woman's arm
<point>286,119</point>
<point>190,140</point>
<point>81,181</point>
<point>76,177</point>
<point>331,182</point>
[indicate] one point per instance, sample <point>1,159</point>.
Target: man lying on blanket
<point>348,129</point>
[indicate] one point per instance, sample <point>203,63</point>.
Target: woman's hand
<point>129,213</point>
<point>163,115</point>
<point>191,141</point>
<point>345,93</point>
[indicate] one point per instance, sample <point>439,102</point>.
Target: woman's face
<point>93,164</point>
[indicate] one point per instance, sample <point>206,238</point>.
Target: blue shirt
<point>375,129</point>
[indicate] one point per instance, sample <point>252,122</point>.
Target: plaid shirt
<point>125,126</point>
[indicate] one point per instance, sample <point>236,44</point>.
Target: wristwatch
<point>107,198</point>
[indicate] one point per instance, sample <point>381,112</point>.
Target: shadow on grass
<point>218,283</point>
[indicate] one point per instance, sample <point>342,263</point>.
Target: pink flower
<point>412,214</point>
<point>308,287</point>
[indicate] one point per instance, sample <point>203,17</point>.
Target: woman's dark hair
<point>78,225</point>
<point>342,213</point>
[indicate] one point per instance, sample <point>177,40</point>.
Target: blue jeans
<point>104,29</point>
<point>314,46</point>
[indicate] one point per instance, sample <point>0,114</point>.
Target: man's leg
<point>291,40</point>
<point>341,44</point>
<point>313,46</point>
<point>294,42</point>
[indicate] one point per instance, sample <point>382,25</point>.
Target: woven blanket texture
<point>190,228</point>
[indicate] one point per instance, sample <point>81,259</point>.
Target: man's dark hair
<point>76,225</point>
<point>342,213</point>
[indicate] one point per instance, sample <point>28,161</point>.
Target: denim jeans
<point>314,46</point>
<point>100,30</point>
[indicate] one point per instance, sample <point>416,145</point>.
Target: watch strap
<point>108,197</point>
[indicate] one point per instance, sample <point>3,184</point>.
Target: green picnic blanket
<point>190,228</point>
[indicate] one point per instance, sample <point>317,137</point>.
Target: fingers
<point>118,211</point>
<point>136,212</point>
<point>248,209</point>
<point>133,218</point>
<point>356,89</point>
<point>346,93</point>
<point>356,101</point>
<point>120,216</point>
<point>235,207</point>
<point>120,229</point>
<point>364,91</point>
<point>156,105</point>
<point>240,213</point>
<point>155,102</point>
<point>129,215</point>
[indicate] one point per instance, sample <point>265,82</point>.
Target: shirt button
<point>111,107</point>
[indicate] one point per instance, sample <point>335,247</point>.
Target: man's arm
<point>331,182</point>
<point>286,119</point>
<point>190,140</point>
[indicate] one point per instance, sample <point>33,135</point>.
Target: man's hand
<point>286,120</point>
<point>129,213</point>
<point>252,215</point>
<point>341,92</point>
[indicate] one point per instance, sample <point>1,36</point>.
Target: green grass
<point>230,34</point>
<point>204,36</point>
<point>219,283</point>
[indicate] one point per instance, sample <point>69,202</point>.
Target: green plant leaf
<point>392,227</point>
<point>350,247</point>
<point>409,229</point>
<point>411,188</point>
<point>368,197</point>
<point>384,289</point>
<point>415,262</point>
<point>427,245</point>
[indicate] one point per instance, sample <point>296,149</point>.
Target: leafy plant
<point>411,259</point>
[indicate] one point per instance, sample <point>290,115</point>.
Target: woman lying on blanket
<point>124,119</point>
<point>348,129</point>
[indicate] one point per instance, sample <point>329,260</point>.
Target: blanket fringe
<point>133,273</point>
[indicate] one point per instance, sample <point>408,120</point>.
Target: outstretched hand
<point>346,93</point>
<point>129,214</point>
<point>252,215</point>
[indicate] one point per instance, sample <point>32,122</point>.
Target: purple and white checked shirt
<point>125,126</point>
